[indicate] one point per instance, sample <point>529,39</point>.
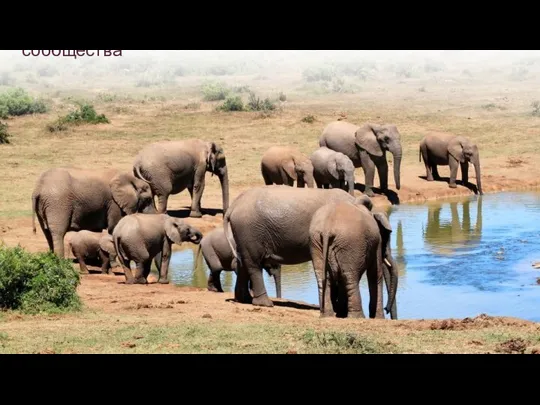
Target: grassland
<point>494,105</point>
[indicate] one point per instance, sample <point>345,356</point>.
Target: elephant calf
<point>218,256</point>
<point>285,165</point>
<point>141,237</point>
<point>333,169</point>
<point>93,245</point>
<point>346,241</point>
<point>451,150</point>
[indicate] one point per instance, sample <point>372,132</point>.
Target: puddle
<point>456,258</point>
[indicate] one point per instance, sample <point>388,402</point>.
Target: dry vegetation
<point>285,100</point>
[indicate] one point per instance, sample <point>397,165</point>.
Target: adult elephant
<point>451,150</point>
<point>74,199</point>
<point>366,146</point>
<point>285,165</point>
<point>270,225</point>
<point>172,166</point>
<point>332,169</point>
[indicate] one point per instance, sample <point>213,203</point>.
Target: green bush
<point>36,283</point>
<point>4,135</point>
<point>232,103</point>
<point>214,91</point>
<point>17,101</point>
<point>86,114</point>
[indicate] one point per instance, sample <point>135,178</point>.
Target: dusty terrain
<point>165,318</point>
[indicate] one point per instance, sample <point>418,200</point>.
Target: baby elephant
<point>451,150</point>
<point>218,257</point>
<point>285,165</point>
<point>142,237</point>
<point>93,245</point>
<point>347,241</point>
<point>333,169</point>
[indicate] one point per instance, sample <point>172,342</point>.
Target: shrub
<point>37,282</point>
<point>232,103</point>
<point>86,114</point>
<point>17,101</point>
<point>214,91</point>
<point>4,135</point>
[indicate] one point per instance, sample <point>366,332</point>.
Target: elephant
<point>73,199</point>
<point>172,166</point>
<point>451,150</point>
<point>269,225</point>
<point>332,169</point>
<point>93,245</point>
<point>218,257</point>
<point>346,241</point>
<point>285,165</point>
<point>366,146</point>
<point>142,237</point>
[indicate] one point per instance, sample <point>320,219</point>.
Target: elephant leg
<point>382,169</point>
<point>465,173</point>
<point>454,165</point>
<point>214,281</point>
<point>354,300</point>
<point>105,262</point>
<point>162,203</point>
<point>165,260</point>
<point>368,166</point>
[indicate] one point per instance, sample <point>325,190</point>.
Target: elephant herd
<point>264,228</point>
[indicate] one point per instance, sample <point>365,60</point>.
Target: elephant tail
<point>326,268</point>
<point>138,174</point>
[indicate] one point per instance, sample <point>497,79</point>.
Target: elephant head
<point>178,231</point>
<point>303,172</point>
<point>342,167</point>
<point>377,139</point>
<point>390,270</point>
<point>463,150</point>
<point>216,164</point>
<point>131,194</point>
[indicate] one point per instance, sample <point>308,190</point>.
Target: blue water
<point>457,258</point>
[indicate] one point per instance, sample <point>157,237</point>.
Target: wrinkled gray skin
<point>142,237</point>
<point>346,241</point>
<point>332,169</point>
<point>451,150</point>
<point>366,146</point>
<point>93,245</point>
<point>73,199</point>
<point>270,225</point>
<point>285,165</point>
<point>219,257</point>
<point>172,166</point>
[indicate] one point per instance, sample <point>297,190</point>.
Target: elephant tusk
<point>387,262</point>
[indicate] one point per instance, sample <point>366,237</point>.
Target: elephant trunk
<point>476,164</point>
<point>224,180</point>
<point>396,152</point>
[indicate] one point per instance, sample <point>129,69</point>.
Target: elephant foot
<point>452,185</point>
<point>262,301</point>
<point>356,314</point>
<point>195,214</point>
<point>163,281</point>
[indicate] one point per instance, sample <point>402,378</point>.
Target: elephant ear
<point>124,192</point>
<point>366,139</point>
<point>455,148</point>
<point>332,167</point>
<point>289,167</point>
<point>382,221</point>
<point>211,156</point>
